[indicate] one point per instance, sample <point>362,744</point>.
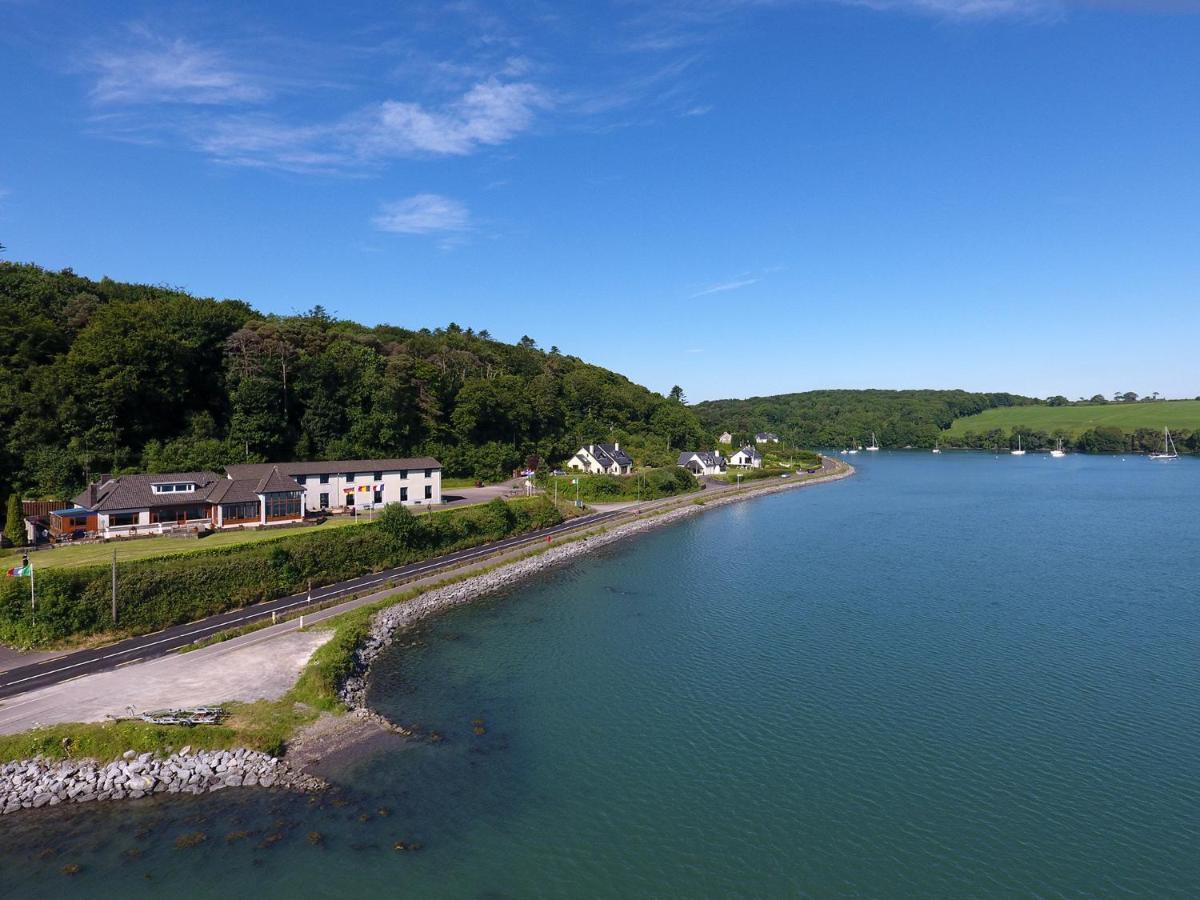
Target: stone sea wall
<point>40,782</point>
<point>388,622</point>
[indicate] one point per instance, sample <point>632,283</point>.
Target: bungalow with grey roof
<point>702,462</point>
<point>746,458</point>
<point>601,459</point>
<point>130,505</point>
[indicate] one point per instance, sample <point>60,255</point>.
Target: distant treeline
<point>1101,439</point>
<point>838,418</point>
<point>103,376</point>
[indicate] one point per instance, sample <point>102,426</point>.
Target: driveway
<point>514,487</point>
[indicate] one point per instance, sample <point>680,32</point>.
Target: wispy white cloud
<point>966,9</point>
<point>151,69</point>
<point>423,214</point>
<point>490,113</point>
<point>723,286</point>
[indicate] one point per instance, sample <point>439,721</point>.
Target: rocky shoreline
<point>390,621</point>
<point>31,784</point>
<point>40,782</point>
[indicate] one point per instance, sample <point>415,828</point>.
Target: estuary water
<point>951,675</point>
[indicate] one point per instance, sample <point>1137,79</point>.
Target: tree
<point>14,525</point>
<point>1057,400</point>
<point>1098,398</point>
<point>677,394</point>
<point>1129,396</point>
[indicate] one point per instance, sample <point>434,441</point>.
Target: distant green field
<point>1174,414</point>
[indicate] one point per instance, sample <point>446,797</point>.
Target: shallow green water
<point>950,675</point>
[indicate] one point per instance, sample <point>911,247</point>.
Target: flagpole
<point>32,595</point>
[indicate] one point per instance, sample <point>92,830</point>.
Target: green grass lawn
<point>1182,414</point>
<point>97,553</point>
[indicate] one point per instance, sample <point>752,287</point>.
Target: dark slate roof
<point>766,436</point>
<point>708,457</point>
<point>608,453</point>
<point>236,490</point>
<point>751,452</point>
<point>331,467</point>
<point>135,491</point>
<point>274,482</point>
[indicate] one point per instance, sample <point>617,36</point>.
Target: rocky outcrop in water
<point>34,783</point>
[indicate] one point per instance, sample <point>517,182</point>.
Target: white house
<point>344,484</point>
<point>766,437</point>
<point>602,459</point>
<point>746,458</point>
<point>703,462</point>
<point>725,438</point>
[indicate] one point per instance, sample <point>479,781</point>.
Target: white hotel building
<point>345,484</point>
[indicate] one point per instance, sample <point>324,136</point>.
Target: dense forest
<point>103,376</point>
<point>838,418</point>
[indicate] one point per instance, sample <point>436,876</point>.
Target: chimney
<point>616,446</point>
<point>91,494</point>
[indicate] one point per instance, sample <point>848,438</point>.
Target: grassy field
<point>142,548</point>
<point>1174,414</point>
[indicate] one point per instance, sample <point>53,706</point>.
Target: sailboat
<point>874,443</point>
<point>1018,451</point>
<point>1169,451</point>
<point>1059,451</point>
<point>936,448</point>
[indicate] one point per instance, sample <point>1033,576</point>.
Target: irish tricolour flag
<point>20,571</point>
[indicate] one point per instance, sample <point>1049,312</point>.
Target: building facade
<point>132,505</point>
<point>346,484</point>
<point>703,462</point>
<point>746,458</point>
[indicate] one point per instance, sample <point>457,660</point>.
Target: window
<point>404,473</point>
<point>429,492</point>
<point>349,477</point>
<point>403,495</point>
<point>350,499</point>
<point>117,520</point>
<point>299,479</point>
<point>429,473</point>
<point>378,476</point>
<point>378,496</point>
<point>283,505</point>
<point>176,487</point>
<point>324,479</point>
<point>239,511</point>
<point>325,501</point>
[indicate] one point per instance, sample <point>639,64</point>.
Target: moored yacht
<point>1019,451</point>
<point>1168,451</point>
<point>1058,451</point>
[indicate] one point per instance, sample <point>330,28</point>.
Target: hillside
<point>1100,427</point>
<point>103,376</point>
<point>833,418</point>
<point>1074,420</point>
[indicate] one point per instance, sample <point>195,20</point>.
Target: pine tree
<point>14,525</point>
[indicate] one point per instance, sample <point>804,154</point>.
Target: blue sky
<point>739,197</point>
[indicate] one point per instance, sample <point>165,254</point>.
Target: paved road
<point>85,662</point>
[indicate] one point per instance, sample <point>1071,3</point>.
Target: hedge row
<point>170,590</point>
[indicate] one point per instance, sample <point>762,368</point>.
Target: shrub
<point>171,590</point>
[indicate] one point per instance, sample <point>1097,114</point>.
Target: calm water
<point>947,676</point>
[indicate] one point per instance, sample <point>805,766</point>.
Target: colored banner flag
<point>20,571</point>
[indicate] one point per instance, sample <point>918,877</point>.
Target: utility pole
<point>114,585</point>
<point>32,595</point>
